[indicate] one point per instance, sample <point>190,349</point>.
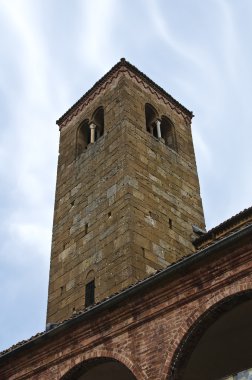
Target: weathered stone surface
<point>126,193</point>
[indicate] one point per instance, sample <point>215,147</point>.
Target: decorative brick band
<point>109,80</point>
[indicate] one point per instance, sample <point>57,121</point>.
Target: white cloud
<point>96,31</point>
<point>31,51</point>
<point>31,235</point>
<point>29,145</point>
<point>204,153</point>
<point>187,50</point>
<point>228,35</point>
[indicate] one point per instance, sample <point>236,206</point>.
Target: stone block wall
<point>125,206</point>
<point>91,220</point>
<point>165,195</point>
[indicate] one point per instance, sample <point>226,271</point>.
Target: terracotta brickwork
<point>146,332</point>
<point>125,206</point>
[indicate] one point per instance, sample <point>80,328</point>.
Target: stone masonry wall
<point>125,206</point>
<point>165,196</point>
<point>91,220</point>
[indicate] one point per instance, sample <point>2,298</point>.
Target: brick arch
<point>199,319</point>
<point>102,355</point>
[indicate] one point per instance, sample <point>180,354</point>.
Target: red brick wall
<point>145,332</point>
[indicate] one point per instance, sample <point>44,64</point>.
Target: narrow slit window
<point>86,228</point>
<point>170,223</point>
<point>90,293</point>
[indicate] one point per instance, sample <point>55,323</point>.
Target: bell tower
<point>127,192</point>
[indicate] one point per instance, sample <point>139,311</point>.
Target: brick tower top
<point>127,192</point>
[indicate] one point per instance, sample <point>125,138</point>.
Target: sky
<point>51,53</point>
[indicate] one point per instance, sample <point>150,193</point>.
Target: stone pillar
<point>158,123</point>
<point>92,127</point>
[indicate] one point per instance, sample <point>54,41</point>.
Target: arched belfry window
<point>151,116</point>
<point>89,132</point>
<point>98,121</point>
<point>83,137</point>
<point>168,132</point>
<point>161,128</point>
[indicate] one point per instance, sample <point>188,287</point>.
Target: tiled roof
<point>225,228</point>
<point>21,343</point>
<point>127,65</point>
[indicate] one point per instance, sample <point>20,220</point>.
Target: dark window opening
<point>90,293</point>
<point>168,133</point>
<point>84,132</point>
<point>86,228</point>
<point>98,120</point>
<point>109,214</point>
<point>83,137</point>
<point>151,117</point>
<point>170,223</point>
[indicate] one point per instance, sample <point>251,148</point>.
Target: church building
<point>138,289</point>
